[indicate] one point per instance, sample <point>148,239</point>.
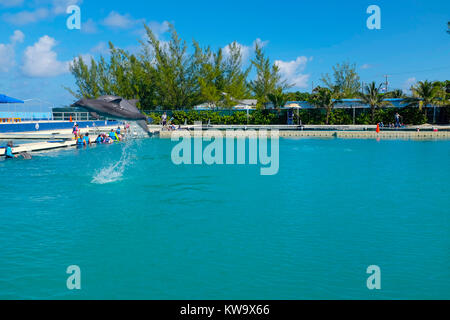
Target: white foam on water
<point>136,132</point>
<point>115,171</point>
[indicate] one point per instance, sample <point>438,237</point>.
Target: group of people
<point>168,124</point>
<point>103,138</point>
<point>397,122</point>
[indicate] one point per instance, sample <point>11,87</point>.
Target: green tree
<point>86,79</point>
<point>373,97</point>
<point>425,94</point>
<point>220,78</point>
<point>123,75</point>
<point>278,98</point>
<point>210,75</point>
<point>298,96</point>
<point>235,76</point>
<point>395,94</point>
<point>345,82</point>
<point>268,78</point>
<point>176,76</point>
<point>324,98</point>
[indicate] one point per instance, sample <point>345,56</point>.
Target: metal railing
<point>74,116</point>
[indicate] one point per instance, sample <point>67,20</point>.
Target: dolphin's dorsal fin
<point>133,102</point>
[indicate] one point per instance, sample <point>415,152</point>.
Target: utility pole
<point>387,82</point>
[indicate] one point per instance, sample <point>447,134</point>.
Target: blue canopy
<point>6,99</point>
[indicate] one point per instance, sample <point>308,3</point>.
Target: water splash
<point>115,171</point>
<point>136,132</point>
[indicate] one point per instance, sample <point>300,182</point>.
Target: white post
<point>354,116</point>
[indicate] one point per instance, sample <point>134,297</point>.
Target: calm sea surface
<point>140,227</point>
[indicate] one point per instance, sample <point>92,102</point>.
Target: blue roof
<point>6,99</point>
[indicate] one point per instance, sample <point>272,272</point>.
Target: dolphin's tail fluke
<point>143,125</point>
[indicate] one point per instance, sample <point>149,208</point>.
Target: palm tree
<point>425,93</point>
<point>324,98</point>
<point>396,94</point>
<point>374,98</point>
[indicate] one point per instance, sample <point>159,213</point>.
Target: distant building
<point>245,104</point>
<point>205,106</point>
<point>343,104</point>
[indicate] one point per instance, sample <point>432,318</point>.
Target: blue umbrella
<point>6,99</point>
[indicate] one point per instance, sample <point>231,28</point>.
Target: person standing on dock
<point>164,119</point>
<point>397,120</point>
<point>75,131</point>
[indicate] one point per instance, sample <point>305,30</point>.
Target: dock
<point>40,146</point>
<point>57,139</point>
<point>425,132</point>
<point>50,140</point>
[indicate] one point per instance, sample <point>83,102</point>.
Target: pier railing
<point>74,116</point>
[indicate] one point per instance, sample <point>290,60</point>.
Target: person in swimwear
<point>86,139</point>
<point>99,139</point>
<point>8,151</point>
<point>80,140</point>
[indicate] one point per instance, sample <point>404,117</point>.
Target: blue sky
<point>306,38</point>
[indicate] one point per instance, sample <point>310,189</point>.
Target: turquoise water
<point>148,229</point>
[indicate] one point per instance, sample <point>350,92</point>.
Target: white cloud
<point>11,3</point>
<point>291,71</point>
<point>89,26</point>
<point>87,59</point>
<point>117,20</point>
<point>26,17</point>
<point>246,51</point>
<point>41,61</point>
<point>7,57</point>
<point>60,6</point>
<point>408,83</point>
<point>17,36</point>
<point>101,48</point>
<point>158,28</point>
<point>8,53</point>
<point>366,66</point>
<point>260,43</point>
<point>49,9</point>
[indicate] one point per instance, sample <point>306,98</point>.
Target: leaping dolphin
<point>114,107</point>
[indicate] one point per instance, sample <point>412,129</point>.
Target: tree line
<point>167,75</point>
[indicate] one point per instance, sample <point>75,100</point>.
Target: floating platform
<point>40,146</point>
<point>55,139</point>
